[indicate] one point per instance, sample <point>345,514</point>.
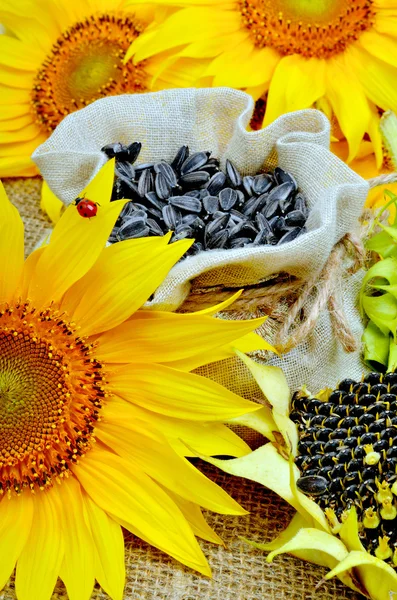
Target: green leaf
<point>376,275</point>
<point>376,346</point>
<point>382,310</point>
<point>392,364</point>
<point>383,244</point>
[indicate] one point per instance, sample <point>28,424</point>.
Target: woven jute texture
<point>240,572</point>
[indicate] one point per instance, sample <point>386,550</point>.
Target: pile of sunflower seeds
<point>194,198</point>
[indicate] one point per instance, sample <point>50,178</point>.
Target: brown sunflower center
<point>51,392</point>
<point>312,28</point>
<point>86,63</point>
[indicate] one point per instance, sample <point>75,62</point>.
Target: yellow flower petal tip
<point>87,453</point>
<point>50,204</point>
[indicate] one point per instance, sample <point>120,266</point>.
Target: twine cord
<point>296,305</point>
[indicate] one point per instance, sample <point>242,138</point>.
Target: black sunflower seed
<point>211,204</point>
<point>125,170</point>
<point>233,174</point>
<point>216,183</point>
<point>247,184</point>
<point>217,240</point>
<point>133,151</point>
<point>227,198</point>
<point>240,242</point>
<point>162,186</point>
<point>145,183</point>
<point>112,150</point>
<point>261,184</point>
<point>281,192</point>
<point>196,178</point>
<point>180,158</point>
<point>154,227</point>
<point>133,229</point>
<point>194,162</point>
<point>168,173</point>
<point>271,208</point>
<point>153,199</point>
<point>290,235</point>
<point>170,217</point>
<point>284,177</point>
<point>186,203</point>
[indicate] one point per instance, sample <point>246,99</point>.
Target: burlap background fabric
<point>239,571</point>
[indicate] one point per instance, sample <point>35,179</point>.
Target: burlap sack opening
<point>312,274</point>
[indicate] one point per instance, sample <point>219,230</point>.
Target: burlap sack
<point>217,120</point>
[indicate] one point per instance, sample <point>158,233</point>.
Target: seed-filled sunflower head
<point>98,405</point>
<point>333,457</point>
<point>340,53</point>
<point>59,56</point>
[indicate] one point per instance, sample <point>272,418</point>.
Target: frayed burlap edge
<point>239,571</point>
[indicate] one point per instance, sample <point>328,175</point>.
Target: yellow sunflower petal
<point>216,308</point>
<point>11,247</point>
<point>28,268</point>
<point>243,65</point>
<point>381,584</point>
<point>261,421</point>
<point>247,343</point>
<point>155,458</point>
<point>184,27</point>
<point>194,517</point>
<point>380,46</point>
<point>348,102</point>
<point>165,390</point>
<point>318,542</point>
<point>15,78</point>
<point>376,77</point>
<point>210,439</point>
<point>40,561</point>
<point>74,247</point>
<point>306,84</point>
<point>16,124</point>
<point>121,281</point>
<point>17,166</point>
<point>77,568</point>
<point>50,204</point>
<point>109,549</point>
<point>12,97</point>
<point>274,385</point>
<point>16,517</point>
<point>318,547</point>
<point>156,336</point>
<point>136,501</point>
<point>12,112</point>
<point>266,466</point>
<point>18,55</point>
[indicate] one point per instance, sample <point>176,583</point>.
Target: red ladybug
<point>86,208</point>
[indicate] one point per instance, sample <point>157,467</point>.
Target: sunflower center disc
<point>86,63</point>
<point>347,454</point>
<point>320,28</point>
<point>50,396</point>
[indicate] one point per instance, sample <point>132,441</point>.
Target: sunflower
<point>342,52</point>
<point>58,56</point>
<point>351,542</point>
<point>98,407</point>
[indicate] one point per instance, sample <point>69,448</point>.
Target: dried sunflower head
<point>333,458</point>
